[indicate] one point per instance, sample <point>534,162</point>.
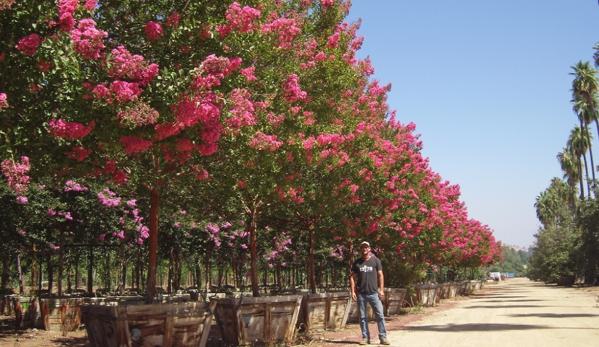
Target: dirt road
<point>517,312</point>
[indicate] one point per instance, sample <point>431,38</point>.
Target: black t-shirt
<point>367,271</point>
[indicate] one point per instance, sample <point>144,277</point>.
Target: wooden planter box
<point>6,305</point>
<point>426,294</point>
<point>393,301</point>
<point>115,300</point>
<point>131,325</point>
<point>453,290</point>
<point>61,314</point>
<point>443,290</point>
<point>263,320</point>
<point>327,311</point>
<point>27,312</point>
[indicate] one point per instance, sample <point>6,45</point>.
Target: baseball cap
<point>365,243</point>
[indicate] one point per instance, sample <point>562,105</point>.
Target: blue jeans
<point>377,309</point>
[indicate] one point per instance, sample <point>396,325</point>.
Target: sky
<point>487,84</point>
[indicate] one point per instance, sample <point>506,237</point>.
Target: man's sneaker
<point>365,341</point>
<point>384,341</point>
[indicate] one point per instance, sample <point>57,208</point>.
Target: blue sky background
<point>487,83</point>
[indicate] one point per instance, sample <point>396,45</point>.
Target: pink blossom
<point>87,40</point>
<point>333,41</point>
<point>3,103</point>
<point>125,91</point>
<point>29,44</point>
<point>79,153</point>
<point>6,4</point>
<point>132,144</point>
<point>327,3</point>
<point>22,200</point>
<point>249,73</point>
<point>68,216</point>
<point>173,20</point>
<point>262,141</point>
<point>242,110</point>
<point>154,31</point>
<point>68,130</point>
<point>101,237</point>
<point>75,187</point>
<point>16,174</point>
<point>22,232</point>
<point>131,203</point>
<point>90,5</point>
<point>138,114</point>
<point>286,29</point>
<point>132,67</point>
<point>275,120</point>
<point>239,19</point>
<point>291,89</point>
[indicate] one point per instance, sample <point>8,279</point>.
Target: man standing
<point>367,271</point>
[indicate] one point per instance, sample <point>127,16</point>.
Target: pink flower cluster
<point>29,44</point>
<point>173,20</point>
<point>286,28</point>
<point>110,199</point>
<point>87,40</point>
<point>242,110</point>
<point>3,103</point>
<point>120,91</point>
<point>6,4</point>
<point>240,20</point>
<point>138,114</point>
<point>123,64</point>
<point>291,89</point>
<point>72,186</point>
<point>154,31</point>
<point>327,3</point>
<point>16,174</point>
<point>90,5</point>
<point>66,9</point>
<point>132,144</point>
<point>69,130</point>
<point>275,120</point>
<point>262,141</point>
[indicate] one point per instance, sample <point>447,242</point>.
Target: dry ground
<point>520,310</point>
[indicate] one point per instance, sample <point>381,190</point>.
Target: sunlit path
<point>518,311</point>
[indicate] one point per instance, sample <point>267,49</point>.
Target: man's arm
<point>352,285</point>
<point>381,283</point>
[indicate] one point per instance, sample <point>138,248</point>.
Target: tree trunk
<point>253,253</point>
<point>50,274</point>
<point>312,267</point>
<point>60,263</point>
<point>33,269</point>
<point>171,265</point>
<point>20,275</point>
<point>586,169</point>
<point>69,273</point>
<point>123,268</point>
<point>90,271</point>
<point>4,270</point>
<point>153,247</point>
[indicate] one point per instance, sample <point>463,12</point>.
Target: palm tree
<point>586,114</point>
<point>578,144</point>
<point>570,167</point>
<point>585,87</point>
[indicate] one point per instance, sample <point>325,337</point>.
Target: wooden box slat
<point>248,320</point>
<point>174,324</point>
<point>327,311</point>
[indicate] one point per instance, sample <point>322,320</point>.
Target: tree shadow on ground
<point>554,315</point>
<point>476,327</point>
